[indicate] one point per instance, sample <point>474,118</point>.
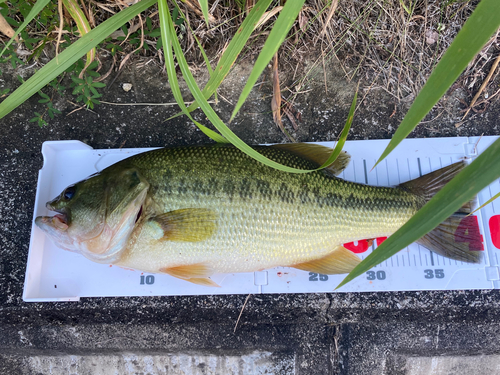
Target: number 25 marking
<point>313,276</point>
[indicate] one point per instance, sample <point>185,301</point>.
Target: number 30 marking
<point>379,275</point>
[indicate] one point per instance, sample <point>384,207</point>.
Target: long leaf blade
<point>204,9</point>
<point>482,23</point>
<point>232,51</point>
<point>486,203</point>
<point>168,34</point>
<point>37,8</point>
<point>82,24</point>
<point>343,136</point>
<point>277,35</point>
<point>69,56</point>
<point>470,181</point>
<point>170,37</point>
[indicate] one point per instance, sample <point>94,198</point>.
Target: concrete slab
<point>150,363</point>
<point>451,365</point>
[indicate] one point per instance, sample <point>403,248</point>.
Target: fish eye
<point>69,192</point>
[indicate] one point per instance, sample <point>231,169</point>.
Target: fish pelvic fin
<point>340,260</point>
<point>458,237</point>
<point>194,273</point>
<point>317,154</point>
<point>187,224</point>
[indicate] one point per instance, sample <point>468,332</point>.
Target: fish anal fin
<point>340,260</point>
<point>187,224</point>
<point>317,154</point>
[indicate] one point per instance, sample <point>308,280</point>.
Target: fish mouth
<point>59,221</point>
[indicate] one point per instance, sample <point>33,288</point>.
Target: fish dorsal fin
<point>317,154</point>
<point>187,224</point>
<point>195,273</point>
<point>338,261</point>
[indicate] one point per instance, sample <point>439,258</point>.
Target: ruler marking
<point>491,195</point>
<point>392,263</point>
<point>403,260</point>
<point>409,262</point>
<point>397,167</point>
<point>415,259</point>
<point>397,260</point>
<point>419,167</point>
<point>426,262</point>
<point>366,173</point>
<point>437,258</point>
<point>420,254</point>
<point>432,258</point>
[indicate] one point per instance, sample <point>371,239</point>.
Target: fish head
<point>95,217</point>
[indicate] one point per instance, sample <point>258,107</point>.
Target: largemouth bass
<point>195,211</point>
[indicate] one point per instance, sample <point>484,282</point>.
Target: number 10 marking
<point>149,279</point>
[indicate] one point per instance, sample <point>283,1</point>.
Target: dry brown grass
<point>391,45</point>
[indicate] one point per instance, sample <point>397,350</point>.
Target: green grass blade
<point>486,203</point>
<point>474,34</point>
<point>204,9</point>
<point>171,38</point>
<point>276,37</point>
<point>168,34</point>
<point>70,55</point>
<point>37,8</point>
<point>343,136</point>
<point>82,24</point>
<point>470,181</point>
<point>232,51</point>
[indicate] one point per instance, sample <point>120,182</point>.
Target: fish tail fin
<point>458,237</point>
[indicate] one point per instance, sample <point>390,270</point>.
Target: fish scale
<point>265,218</point>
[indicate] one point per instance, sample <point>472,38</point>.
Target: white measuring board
<point>53,274</point>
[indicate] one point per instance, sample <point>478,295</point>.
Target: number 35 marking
<point>430,274</point>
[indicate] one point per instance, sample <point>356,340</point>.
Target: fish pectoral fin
<point>187,224</point>
<point>195,273</point>
<point>340,260</point>
<point>317,154</point>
